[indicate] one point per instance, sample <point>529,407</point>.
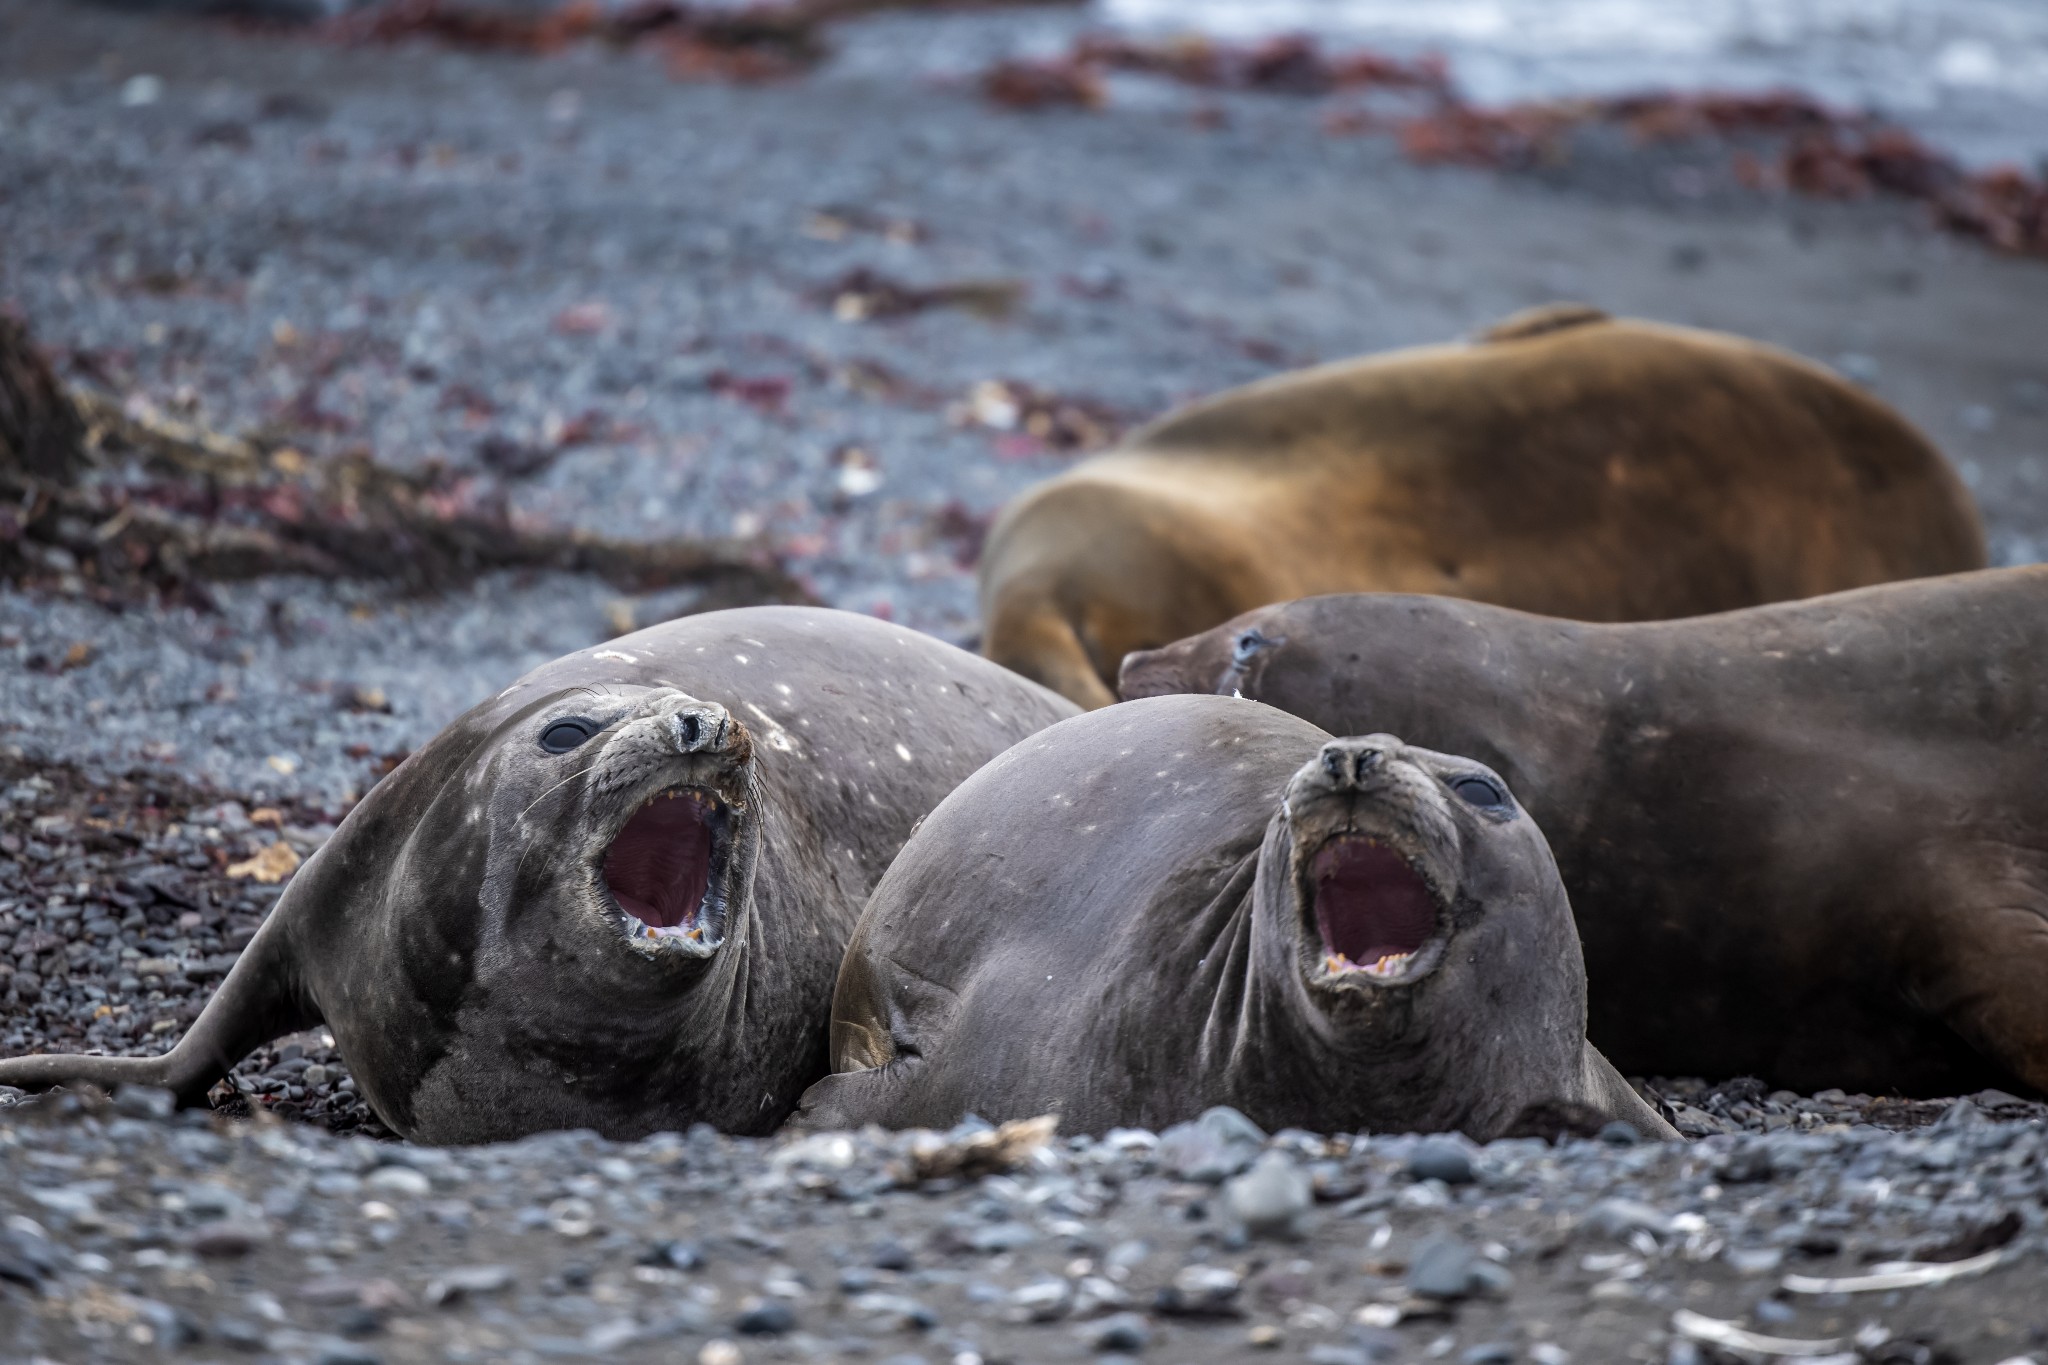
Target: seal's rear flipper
<point>1038,640</point>
<point>1615,1097</point>
<point>259,1000</point>
<point>1542,320</point>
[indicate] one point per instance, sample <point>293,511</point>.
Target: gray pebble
<point>1119,1332</point>
<point>1445,1158</point>
<point>1211,1149</point>
<point>1449,1269</point>
<point>1617,1218</point>
<point>454,1285</point>
<point>144,1102</point>
<point>1270,1198</point>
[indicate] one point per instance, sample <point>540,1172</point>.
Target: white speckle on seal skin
<point>903,753</point>
<point>741,658</point>
<point>783,688</point>
<point>778,738</point>
<point>618,654</point>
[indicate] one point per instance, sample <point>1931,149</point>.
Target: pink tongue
<point>1369,902</point>
<point>659,866</point>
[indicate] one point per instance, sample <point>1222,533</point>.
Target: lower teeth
<point>1386,966</point>
<point>639,928</point>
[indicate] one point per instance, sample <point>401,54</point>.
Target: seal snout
<point>700,727</point>
<point>1151,673</point>
<point>1347,761</point>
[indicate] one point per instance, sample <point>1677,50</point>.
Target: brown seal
<point>1803,842</point>
<point>1192,901</point>
<point>1565,463</point>
<point>615,895</point>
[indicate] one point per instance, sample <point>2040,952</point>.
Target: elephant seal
<point>1195,901</point>
<point>615,895</point>
<point>1804,842</point>
<point>1564,463</point>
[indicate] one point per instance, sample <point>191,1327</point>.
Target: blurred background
<point>787,300</point>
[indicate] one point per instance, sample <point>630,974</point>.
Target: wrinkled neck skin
<point>621,1040</point>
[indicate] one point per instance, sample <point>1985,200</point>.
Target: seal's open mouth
<point>667,867</point>
<point>1374,912</point>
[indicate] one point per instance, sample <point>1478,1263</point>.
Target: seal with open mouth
<point>1193,901</point>
<point>1803,842</point>
<point>615,895</point>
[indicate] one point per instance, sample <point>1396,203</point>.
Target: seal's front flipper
<point>1607,1092</point>
<point>853,1099</point>
<point>260,999</point>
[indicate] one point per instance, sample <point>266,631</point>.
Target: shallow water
<point>1969,75</point>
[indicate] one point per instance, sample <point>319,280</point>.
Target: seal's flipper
<point>1035,638</point>
<point>1983,975</point>
<point>1542,320</point>
<point>260,999</point>
<point>854,1099</point>
<point>1615,1097</point>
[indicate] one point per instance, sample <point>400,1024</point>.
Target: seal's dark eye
<point>1479,792</point>
<point>563,735</point>
<point>1248,646</point>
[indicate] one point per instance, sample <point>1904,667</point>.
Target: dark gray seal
<point>615,895</point>
<point>1805,842</point>
<point>1193,901</point>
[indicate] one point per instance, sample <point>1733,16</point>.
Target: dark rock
<point>674,1254</point>
<point>769,1318</point>
<point>1119,1332</point>
<point>228,1238</point>
<point>1747,1165</point>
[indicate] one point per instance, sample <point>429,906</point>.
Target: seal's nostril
<point>1368,759</point>
<point>1336,763</point>
<point>688,731</point>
